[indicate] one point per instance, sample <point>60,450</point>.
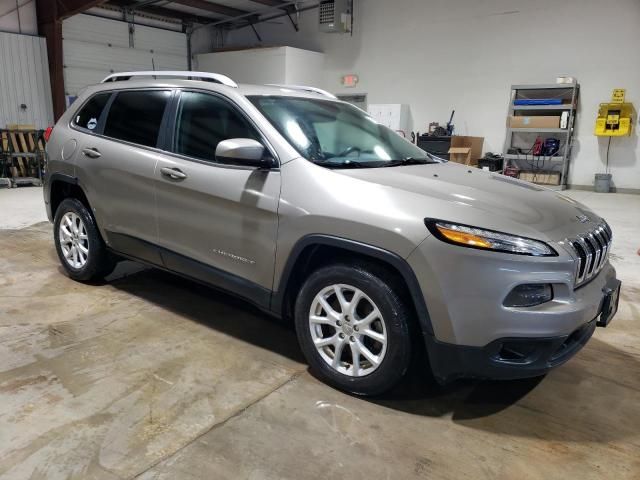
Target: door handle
<point>91,152</point>
<point>174,173</point>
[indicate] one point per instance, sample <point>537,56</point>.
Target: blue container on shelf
<point>538,101</point>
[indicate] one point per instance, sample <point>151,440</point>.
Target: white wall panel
<point>304,67</point>
<point>464,55</point>
<point>285,65</point>
<point>94,47</point>
<point>265,65</point>
<point>24,79</point>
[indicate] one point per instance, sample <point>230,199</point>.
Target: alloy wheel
<point>348,330</point>
<point>74,241</point>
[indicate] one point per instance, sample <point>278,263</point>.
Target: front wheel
<point>79,245</point>
<point>353,328</point>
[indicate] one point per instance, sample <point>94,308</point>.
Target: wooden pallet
<point>17,139</point>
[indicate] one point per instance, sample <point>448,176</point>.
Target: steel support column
<point>50,14</point>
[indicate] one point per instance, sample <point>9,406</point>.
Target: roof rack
<point>303,88</point>
<point>204,76</point>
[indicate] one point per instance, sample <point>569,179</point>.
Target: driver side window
<point>203,121</point>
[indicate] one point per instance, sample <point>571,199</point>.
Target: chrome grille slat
<point>592,250</point>
<point>605,253</point>
<point>582,257</point>
<point>598,249</point>
<point>603,245</point>
<point>590,255</point>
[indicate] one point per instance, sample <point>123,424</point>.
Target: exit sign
<point>350,80</point>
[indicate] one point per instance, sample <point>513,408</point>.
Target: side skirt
<point>159,257</point>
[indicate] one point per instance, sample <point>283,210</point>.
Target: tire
<point>386,338</point>
<point>74,229</point>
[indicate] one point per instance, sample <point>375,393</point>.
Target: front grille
<point>592,249</point>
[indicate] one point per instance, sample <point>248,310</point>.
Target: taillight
<point>47,133</point>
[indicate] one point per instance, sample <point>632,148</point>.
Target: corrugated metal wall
<point>24,79</point>
<point>94,47</point>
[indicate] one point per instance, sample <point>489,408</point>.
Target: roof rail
<point>204,76</point>
<point>304,88</point>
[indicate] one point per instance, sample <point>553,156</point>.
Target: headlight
<point>474,237</point>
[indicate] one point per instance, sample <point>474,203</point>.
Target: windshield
<point>337,135</point>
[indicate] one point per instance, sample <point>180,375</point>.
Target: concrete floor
<point>149,376</point>
<point>21,207</point>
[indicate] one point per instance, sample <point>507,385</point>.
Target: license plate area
<point>609,303</point>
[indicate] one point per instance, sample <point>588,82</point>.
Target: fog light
<point>529,295</point>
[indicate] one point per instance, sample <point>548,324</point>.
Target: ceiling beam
<point>184,17</point>
<point>278,4</point>
<point>147,7</point>
<point>212,7</point>
<point>269,3</point>
<point>68,8</point>
<point>121,3</point>
<point>255,17</point>
<point>141,3</point>
<point>237,26</point>
<point>60,9</point>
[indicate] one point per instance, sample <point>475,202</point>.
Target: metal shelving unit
<point>559,162</point>
<point>542,107</point>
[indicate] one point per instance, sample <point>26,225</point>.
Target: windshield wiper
<point>346,164</point>
<point>408,161</point>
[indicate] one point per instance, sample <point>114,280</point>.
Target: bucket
<point>602,182</point>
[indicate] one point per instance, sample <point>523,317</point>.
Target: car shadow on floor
<point>552,403</point>
<point>591,398</point>
<point>208,306</point>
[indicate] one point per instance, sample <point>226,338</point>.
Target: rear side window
<point>136,116</point>
<point>205,120</point>
<point>88,116</point>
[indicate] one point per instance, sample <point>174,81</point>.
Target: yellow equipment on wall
<point>615,118</point>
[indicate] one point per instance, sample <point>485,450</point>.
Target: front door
<point>217,222</point>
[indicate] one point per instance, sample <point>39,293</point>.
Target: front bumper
<point>505,358</point>
<point>464,290</point>
<point>474,335</point>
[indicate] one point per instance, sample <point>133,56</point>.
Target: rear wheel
<point>353,329</point>
<point>79,245</point>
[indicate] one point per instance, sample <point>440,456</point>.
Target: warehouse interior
<point>151,375</point>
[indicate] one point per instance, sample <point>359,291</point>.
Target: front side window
<point>337,135</point>
<point>203,121</point>
<point>88,116</point>
<point>135,116</point>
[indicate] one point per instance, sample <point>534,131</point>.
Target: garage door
<point>94,47</point>
<point>25,94</point>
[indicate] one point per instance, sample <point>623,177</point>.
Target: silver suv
<point>309,209</point>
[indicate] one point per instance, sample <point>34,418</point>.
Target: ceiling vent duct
<point>334,16</point>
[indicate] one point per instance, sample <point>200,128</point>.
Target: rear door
<point>218,221</point>
<point>116,164</point>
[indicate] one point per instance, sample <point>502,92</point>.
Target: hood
<point>475,197</point>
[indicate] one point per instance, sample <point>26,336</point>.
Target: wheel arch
<point>61,186</point>
<point>312,251</point>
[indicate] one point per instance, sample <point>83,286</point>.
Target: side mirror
<point>243,151</point>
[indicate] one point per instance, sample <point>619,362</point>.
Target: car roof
<point>242,89</point>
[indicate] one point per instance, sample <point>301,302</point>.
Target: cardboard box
<point>475,145</point>
<point>538,121</point>
<point>543,178</point>
<point>460,155</point>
